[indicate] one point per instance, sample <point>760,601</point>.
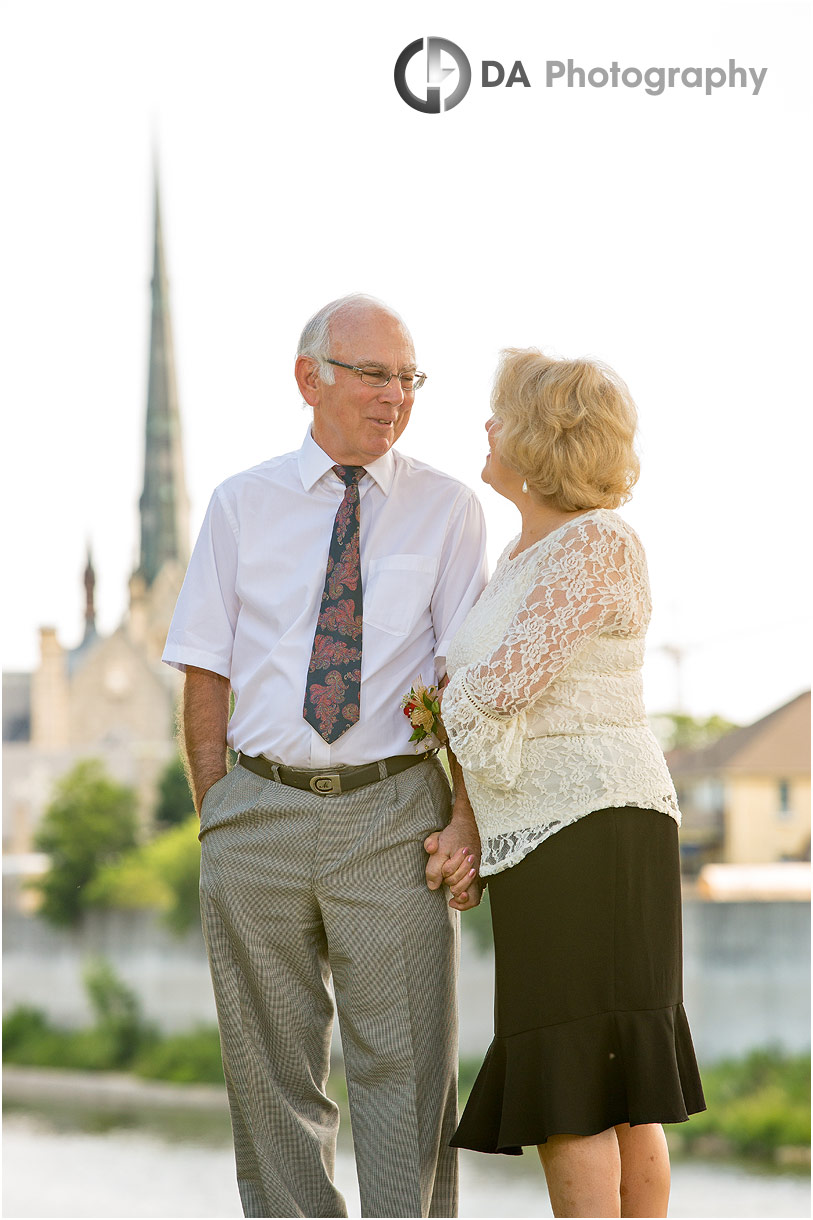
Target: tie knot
<point>350,474</point>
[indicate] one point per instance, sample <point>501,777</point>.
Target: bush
<point>758,1104</point>
<point>86,1050</point>
<point>22,1029</point>
<point>117,1036</point>
<point>119,1026</point>
<point>23,1025</point>
<point>184,1058</point>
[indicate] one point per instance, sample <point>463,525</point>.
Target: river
<point>69,1161</point>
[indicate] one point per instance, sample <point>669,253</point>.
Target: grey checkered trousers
<point>294,887</point>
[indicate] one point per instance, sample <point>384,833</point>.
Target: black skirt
<point>590,1030</point>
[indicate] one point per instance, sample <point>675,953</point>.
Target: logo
<point>324,784</point>
<point>653,80</point>
<point>435,75</point>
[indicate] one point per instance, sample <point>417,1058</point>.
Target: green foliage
<point>28,1038</point>
<point>118,1017</point>
<point>188,1058</point>
<point>21,1028</point>
<point>130,884</point>
<point>118,1041</point>
<point>175,802</point>
<point>758,1103</point>
<point>176,858</point>
<point>676,730</point>
<point>424,701</point>
<point>162,875</point>
<point>111,1044</point>
<point>466,1075</point>
<point>477,924</point>
<point>87,825</point>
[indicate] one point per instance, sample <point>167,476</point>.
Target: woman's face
<point>504,479</point>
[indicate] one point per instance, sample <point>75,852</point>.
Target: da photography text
<point>424,68</point>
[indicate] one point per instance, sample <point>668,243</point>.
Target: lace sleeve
<point>582,587</point>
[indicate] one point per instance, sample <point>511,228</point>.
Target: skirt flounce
<point>581,1077</point>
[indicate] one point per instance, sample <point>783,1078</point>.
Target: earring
<point>525,486</point>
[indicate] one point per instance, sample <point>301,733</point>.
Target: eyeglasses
<point>379,379</point>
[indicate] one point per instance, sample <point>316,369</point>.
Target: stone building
<point>109,697</point>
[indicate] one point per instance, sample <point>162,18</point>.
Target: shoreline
<point>109,1091</point>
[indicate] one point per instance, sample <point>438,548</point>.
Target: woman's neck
<point>538,520</point>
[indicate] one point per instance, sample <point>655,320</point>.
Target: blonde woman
<point>576,811</point>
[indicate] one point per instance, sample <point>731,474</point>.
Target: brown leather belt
<point>333,783</point>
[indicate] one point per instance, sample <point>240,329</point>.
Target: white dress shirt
<point>250,600</point>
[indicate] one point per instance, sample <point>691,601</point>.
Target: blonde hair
<point>568,426</point>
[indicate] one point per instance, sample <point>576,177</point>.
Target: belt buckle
<point>326,785</point>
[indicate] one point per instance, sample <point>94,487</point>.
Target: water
<point>67,1162</point>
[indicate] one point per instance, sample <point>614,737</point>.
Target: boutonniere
<point>422,710</point>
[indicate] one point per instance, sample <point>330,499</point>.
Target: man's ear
<point>306,371</point>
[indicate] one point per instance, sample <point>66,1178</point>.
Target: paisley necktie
<point>333,686</point>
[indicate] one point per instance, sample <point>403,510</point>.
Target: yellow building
<point>746,798</point>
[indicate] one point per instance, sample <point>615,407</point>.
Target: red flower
<point>422,708</point>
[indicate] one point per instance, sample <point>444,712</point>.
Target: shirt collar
<point>314,463</point>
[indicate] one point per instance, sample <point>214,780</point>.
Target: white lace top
<point>545,709</point>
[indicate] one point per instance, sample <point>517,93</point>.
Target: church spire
<point>90,599</point>
<point>163,505</point>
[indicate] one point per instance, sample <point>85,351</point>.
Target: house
<point>746,798</point>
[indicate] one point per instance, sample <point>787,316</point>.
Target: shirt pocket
<point>398,591</point>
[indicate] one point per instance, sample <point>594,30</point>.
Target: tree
<point>174,798</point>
<point>677,730</point>
<point>87,825</point>
<point>163,875</point>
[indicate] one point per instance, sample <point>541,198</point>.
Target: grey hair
<point>315,338</point>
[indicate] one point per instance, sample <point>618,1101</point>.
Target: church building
<point>109,697</point>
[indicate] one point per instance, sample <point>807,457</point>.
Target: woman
<point>576,811</point>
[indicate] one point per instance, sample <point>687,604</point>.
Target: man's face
<point>355,423</point>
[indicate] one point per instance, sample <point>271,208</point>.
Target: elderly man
<point>323,584</point>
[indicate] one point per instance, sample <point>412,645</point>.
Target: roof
<point>778,744</point>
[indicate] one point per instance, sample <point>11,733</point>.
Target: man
<point>324,583</point>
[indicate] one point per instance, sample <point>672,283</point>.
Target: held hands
<point>460,874</point>
<point>458,871</point>
<point>454,852</point>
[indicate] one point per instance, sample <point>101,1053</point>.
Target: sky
<point>662,234</point>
